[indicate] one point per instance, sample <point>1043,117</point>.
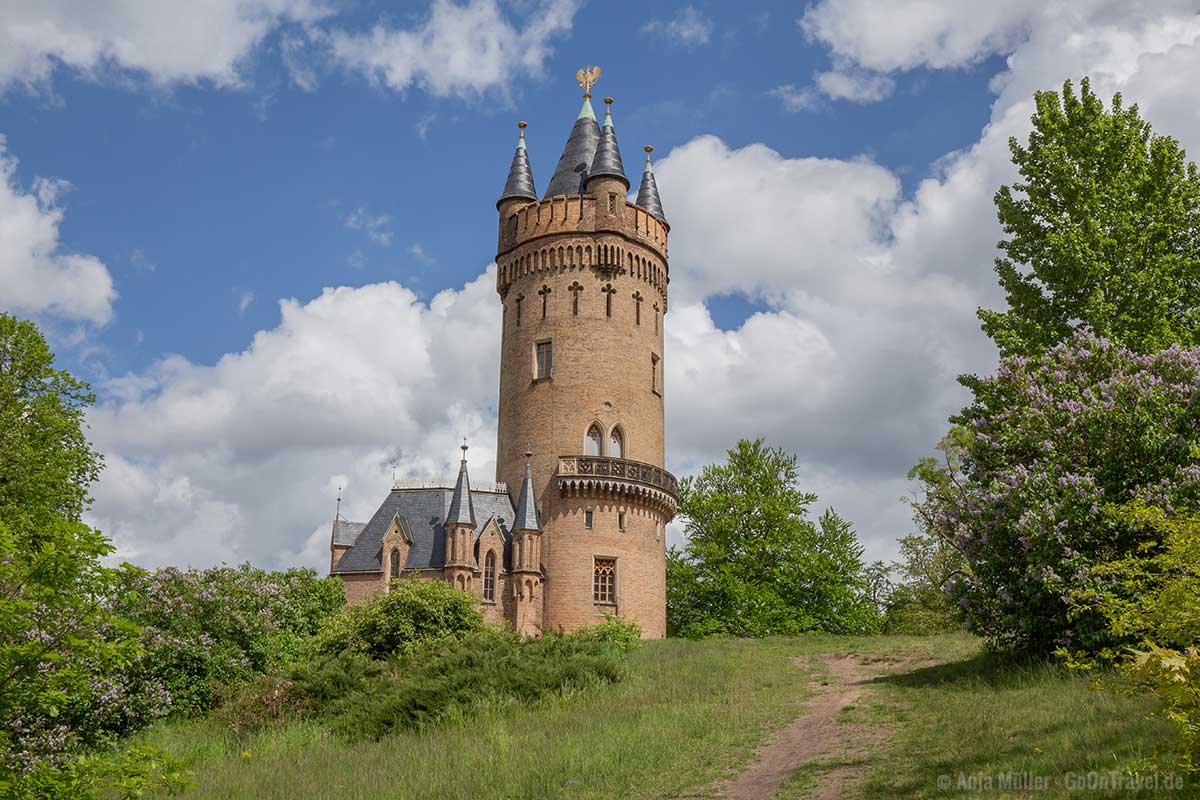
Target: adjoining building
<point>582,276</point>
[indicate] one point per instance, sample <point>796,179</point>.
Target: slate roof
<point>648,193</point>
<point>526,518</point>
<point>607,160</point>
<point>425,512</point>
<point>520,176</point>
<point>570,176</point>
<point>344,533</point>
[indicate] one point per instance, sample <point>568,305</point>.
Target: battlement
<point>575,214</point>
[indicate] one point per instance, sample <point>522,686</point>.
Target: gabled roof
<point>570,176</point>
<point>344,533</point>
<point>425,511</point>
<point>520,175</point>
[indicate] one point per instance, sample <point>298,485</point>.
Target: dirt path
<point>814,735</point>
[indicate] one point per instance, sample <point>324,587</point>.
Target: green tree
<point>754,565</point>
<point>58,634</point>
<point>1102,231</point>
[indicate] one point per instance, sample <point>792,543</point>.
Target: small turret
<point>570,176</point>
<point>519,185</point>
<point>607,161</point>
<point>648,193</point>
<point>527,518</point>
<point>460,531</point>
<point>462,510</point>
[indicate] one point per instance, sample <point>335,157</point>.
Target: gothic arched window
<point>489,577</point>
<point>395,564</point>
<point>616,443</point>
<point>593,441</point>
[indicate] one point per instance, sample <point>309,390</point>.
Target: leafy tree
<point>59,636</point>
<point>1102,231</point>
<point>917,604</point>
<point>753,564</point>
<point>1041,450</point>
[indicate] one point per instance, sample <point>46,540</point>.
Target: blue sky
<point>827,169</point>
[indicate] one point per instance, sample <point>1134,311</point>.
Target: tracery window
<point>489,577</point>
<point>593,441</point>
<point>616,443</point>
<point>604,580</point>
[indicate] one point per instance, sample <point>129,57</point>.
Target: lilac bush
<point>1041,453</point>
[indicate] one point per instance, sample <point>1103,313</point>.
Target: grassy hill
<point>692,713</point>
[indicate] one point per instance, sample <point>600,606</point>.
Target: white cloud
<point>245,298</point>
<point>689,27</point>
<point>419,255</point>
<point>167,43</point>
<point>795,98</point>
<point>37,274</point>
<point>855,85</point>
<point>375,227</point>
<point>458,50</point>
<point>235,460</point>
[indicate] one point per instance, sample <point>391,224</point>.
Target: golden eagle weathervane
<point>587,78</point>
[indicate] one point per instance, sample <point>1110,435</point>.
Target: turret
<point>570,176</point>
<point>460,530</point>
<point>648,193</point>
<point>606,179</point>
<point>527,555</point>
<point>518,188</point>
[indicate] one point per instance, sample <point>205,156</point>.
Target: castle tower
<point>582,275</point>
<point>460,531</point>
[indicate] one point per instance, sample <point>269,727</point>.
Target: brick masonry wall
<point>601,373</point>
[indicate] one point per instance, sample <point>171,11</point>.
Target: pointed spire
<point>570,176</point>
<point>462,510</point>
<point>520,175</point>
<point>527,518</point>
<point>607,160</point>
<point>648,194</point>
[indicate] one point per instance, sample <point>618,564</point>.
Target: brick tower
<point>582,275</point>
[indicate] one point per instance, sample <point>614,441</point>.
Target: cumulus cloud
<point>240,459</point>
<point>457,49</point>
<point>689,27</point>
<point>37,274</point>
<point>167,43</point>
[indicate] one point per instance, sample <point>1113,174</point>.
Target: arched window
<point>489,577</point>
<point>616,443</point>
<point>395,563</point>
<point>594,438</point>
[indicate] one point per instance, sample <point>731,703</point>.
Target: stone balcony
<point>620,478</point>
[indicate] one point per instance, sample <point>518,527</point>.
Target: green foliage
<point>46,462</point>
<point>754,565</point>
<point>59,636</point>
<point>1044,446</point>
<point>1151,596</point>
<point>624,634</point>
<point>917,605</point>
<point>207,631</point>
<point>410,614</point>
<point>1102,231</point>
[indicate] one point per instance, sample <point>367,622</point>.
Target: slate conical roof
<point>570,176</point>
<point>648,193</point>
<point>462,510</point>
<point>607,160</point>
<point>520,175</point>
<point>527,518</point>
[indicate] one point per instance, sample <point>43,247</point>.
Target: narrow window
<point>654,373</point>
<point>656,317</point>
<point>545,358</point>
<point>489,577</point>
<point>609,291</point>
<point>587,519</point>
<point>545,293</point>
<point>637,308</point>
<point>575,289</point>
<point>612,203</point>
<point>604,580</point>
<point>593,441</point>
<point>621,520</point>
<point>520,297</point>
<point>616,444</point>
<point>395,563</point>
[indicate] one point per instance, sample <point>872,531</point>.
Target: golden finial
<point>587,78</point>
<point>649,149</point>
<point>522,125</point>
<point>608,101</point>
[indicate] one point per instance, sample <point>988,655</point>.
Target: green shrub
<point>412,613</point>
<point>483,667</point>
<point>626,635</point>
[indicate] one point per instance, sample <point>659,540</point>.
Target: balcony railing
<point>621,469</point>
